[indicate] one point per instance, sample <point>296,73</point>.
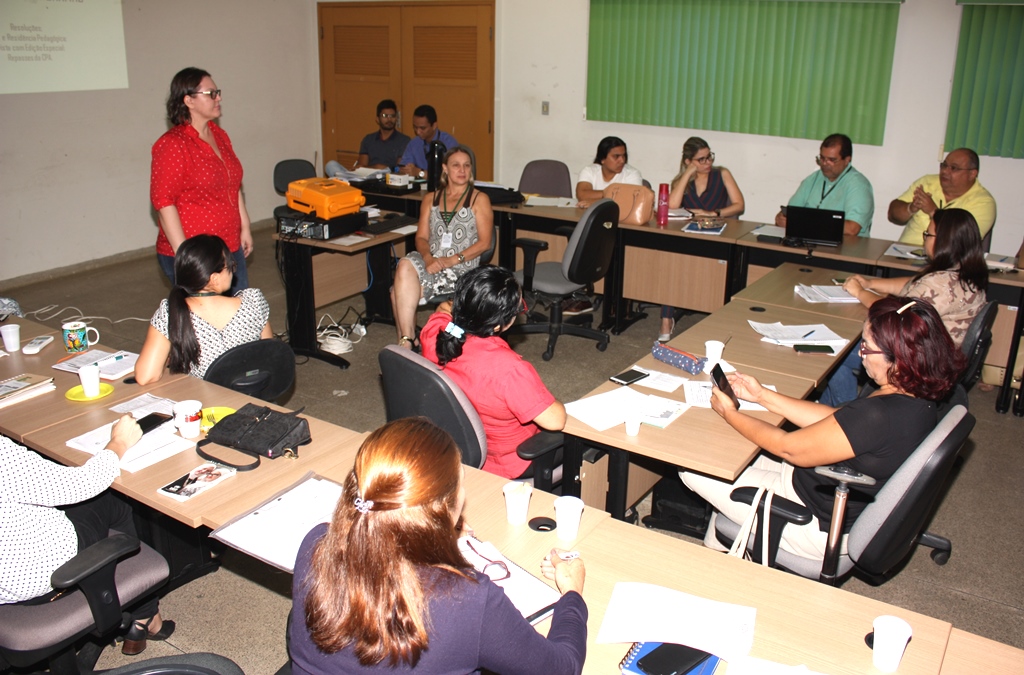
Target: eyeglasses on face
<point>928,235</point>
<point>388,116</point>
<point>495,570</point>
<point>821,159</point>
<point>864,351</point>
<point>523,309</point>
<point>944,166</point>
<point>212,93</point>
<point>231,265</point>
<point>705,160</point>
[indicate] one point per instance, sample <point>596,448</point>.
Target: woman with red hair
<point>384,586</point>
<point>910,356</point>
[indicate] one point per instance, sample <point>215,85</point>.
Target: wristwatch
<point>422,174</point>
<point>462,258</point>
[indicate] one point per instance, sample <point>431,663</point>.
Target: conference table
<point>798,621</point>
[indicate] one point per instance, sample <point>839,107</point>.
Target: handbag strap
<point>210,458</point>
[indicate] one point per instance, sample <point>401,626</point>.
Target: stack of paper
<point>809,334</point>
<point>1004,263</point>
<point>679,214</point>
<point>906,251</point>
<point>153,447</point>
<point>818,293</point>
<point>607,410</point>
<point>23,387</point>
<point>113,365</point>
<point>537,200</point>
<point>532,597</point>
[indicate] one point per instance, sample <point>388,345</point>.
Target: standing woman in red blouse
<point>196,178</point>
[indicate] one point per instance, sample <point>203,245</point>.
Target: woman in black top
<point>908,353</point>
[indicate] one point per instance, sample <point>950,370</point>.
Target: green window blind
<point>988,83</point>
<point>770,67</point>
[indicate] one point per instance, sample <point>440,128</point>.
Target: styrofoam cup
<point>568,513</point>
<point>891,636</point>
<point>633,419</point>
<point>187,415</point>
<point>517,501</point>
<point>90,377</point>
<point>713,350</point>
<point>12,337</point>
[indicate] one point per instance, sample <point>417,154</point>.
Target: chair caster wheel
<point>940,557</point>
<point>547,356</point>
<point>601,346</point>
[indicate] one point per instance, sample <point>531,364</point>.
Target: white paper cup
<point>517,501</point>
<point>568,512</point>
<point>90,377</point>
<point>633,418</point>
<point>187,415</point>
<point>12,337</point>
<point>713,350</point>
<point>891,636</point>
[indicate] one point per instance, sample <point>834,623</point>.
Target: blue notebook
<point>642,649</point>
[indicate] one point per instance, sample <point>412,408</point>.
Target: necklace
<point>203,295</point>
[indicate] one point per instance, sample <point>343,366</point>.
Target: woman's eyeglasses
<point>495,570</point>
<point>864,351</point>
<point>212,93</point>
<point>705,160</point>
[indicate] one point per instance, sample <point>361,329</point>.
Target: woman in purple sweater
<point>384,587</point>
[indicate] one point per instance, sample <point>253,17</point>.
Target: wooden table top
<point>331,244</point>
<point>699,440</point>
<point>799,621</point>
<point>745,349</point>
<point>968,654</point>
<point>776,288</point>
<point>734,229</point>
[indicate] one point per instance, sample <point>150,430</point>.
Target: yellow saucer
<point>211,415</point>
<point>76,393</point>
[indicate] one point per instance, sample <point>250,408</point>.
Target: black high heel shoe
<point>135,640</point>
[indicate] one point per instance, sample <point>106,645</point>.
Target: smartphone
<point>629,376</point>
<point>672,659</point>
<point>722,382</point>
<point>152,421</point>
<point>813,349</point>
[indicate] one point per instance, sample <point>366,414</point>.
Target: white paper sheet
<point>638,612</point>
<point>821,293</point>
<point>606,410</point>
<point>153,447</point>
<point>770,231</point>
<point>274,531</point>
<point>809,334</point>
<point>748,665</point>
<point>698,395</point>
<point>906,251</point>
<point>659,380</point>
<point>144,404</point>
<point>537,200</point>
<point>530,595</point>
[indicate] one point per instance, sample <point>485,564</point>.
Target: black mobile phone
<point>813,349</point>
<point>722,382</point>
<point>152,421</point>
<point>629,376</point>
<point>672,659</point>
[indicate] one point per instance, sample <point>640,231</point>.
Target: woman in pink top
<point>508,394</point>
<point>196,178</point>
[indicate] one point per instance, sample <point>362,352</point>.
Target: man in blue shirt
<point>424,124</point>
<point>837,187</point>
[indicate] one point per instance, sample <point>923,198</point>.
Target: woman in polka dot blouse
<point>196,178</point>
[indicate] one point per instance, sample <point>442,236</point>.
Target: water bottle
<point>435,159</point>
<point>663,205</point>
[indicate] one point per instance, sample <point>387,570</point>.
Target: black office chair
<point>102,580</point>
<point>285,172</point>
<point>586,260</point>
<point>976,343</point>
<point>416,387</point>
<point>200,663</point>
<point>263,369</point>
<point>887,530</point>
<point>547,177</point>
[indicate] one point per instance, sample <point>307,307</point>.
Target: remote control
<point>36,344</point>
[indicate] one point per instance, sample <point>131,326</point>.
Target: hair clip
<point>363,505</point>
<point>906,307</point>
<point>454,330</point>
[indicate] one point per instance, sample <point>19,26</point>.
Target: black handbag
<point>259,431</point>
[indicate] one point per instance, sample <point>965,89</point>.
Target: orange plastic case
<point>324,197</point>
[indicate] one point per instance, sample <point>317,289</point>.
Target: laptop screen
<point>815,226</point>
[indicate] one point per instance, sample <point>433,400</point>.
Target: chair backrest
<point>264,369</point>
<point>647,183</point>
<point>590,249</point>
<point>289,170</point>
<point>416,387</point>
<point>887,529</point>
<point>986,241</point>
<point>976,342</point>
<point>547,177</point>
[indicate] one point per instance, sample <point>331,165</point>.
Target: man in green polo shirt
<point>837,187</point>
<point>955,186</point>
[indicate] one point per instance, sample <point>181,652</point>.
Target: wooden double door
<point>441,54</point>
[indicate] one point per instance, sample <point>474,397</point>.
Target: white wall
<point>74,167</point>
<point>541,56</point>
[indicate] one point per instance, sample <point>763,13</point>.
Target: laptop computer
<point>815,226</point>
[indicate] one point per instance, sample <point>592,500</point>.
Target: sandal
<point>138,634</point>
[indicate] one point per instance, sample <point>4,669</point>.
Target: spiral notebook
<point>629,666</point>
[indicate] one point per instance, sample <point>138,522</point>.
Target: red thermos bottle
<point>663,205</point>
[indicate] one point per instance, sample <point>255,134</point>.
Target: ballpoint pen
<point>808,334</point>
<point>110,359</point>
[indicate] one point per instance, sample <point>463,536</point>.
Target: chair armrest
<point>784,511</point>
<point>565,230</point>
<point>540,444</point>
<point>531,249</point>
<point>543,451</point>
<point>93,559</point>
<point>788,510</point>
